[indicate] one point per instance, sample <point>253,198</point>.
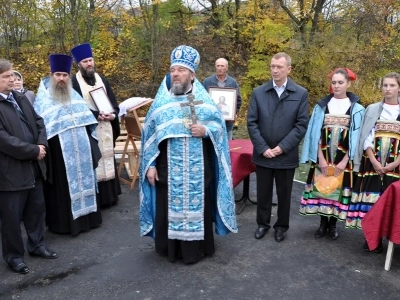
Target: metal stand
<point>389,256</point>
<point>246,194</point>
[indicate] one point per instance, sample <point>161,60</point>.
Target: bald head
<point>221,67</point>
<point>222,61</point>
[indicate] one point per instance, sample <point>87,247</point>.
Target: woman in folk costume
<point>330,145</point>
<point>376,159</point>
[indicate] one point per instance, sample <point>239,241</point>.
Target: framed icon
<point>101,101</point>
<point>225,98</point>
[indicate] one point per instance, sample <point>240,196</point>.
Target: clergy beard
<point>61,93</point>
<point>88,73</point>
<point>180,88</point>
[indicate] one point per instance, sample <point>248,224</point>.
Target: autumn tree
<point>132,39</point>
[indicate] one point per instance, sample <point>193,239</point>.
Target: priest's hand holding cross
<point>198,130</point>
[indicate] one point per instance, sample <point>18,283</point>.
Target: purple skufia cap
<point>81,52</point>
<point>60,63</point>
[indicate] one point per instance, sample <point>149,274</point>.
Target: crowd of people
<point>62,143</point>
<point>356,151</point>
<point>57,155</point>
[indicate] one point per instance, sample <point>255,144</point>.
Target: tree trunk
<point>315,21</point>
<point>90,21</point>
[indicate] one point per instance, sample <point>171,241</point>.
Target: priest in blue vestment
<point>185,170</point>
<point>73,152</point>
<point>85,81</point>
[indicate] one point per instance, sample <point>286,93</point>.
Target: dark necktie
<point>11,99</point>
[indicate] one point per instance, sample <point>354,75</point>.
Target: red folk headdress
<point>352,76</point>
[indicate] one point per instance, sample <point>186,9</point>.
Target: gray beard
<point>86,73</point>
<point>180,88</point>
<point>61,94</point>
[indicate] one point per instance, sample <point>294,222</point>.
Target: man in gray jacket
<point>222,79</point>
<point>277,121</point>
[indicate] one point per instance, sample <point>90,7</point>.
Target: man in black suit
<point>277,121</point>
<point>23,145</point>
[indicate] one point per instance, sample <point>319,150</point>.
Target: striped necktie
<point>11,99</point>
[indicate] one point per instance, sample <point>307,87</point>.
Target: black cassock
<point>189,251</point>
<point>56,193</point>
<point>110,189</point>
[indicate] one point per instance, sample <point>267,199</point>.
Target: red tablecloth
<point>383,220</point>
<point>241,154</point>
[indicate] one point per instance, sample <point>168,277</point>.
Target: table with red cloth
<point>242,166</point>
<point>383,220</point>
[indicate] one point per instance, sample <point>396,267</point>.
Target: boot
<point>379,249</point>
<point>365,247</point>
<point>323,226</point>
<point>376,250</point>
<point>332,228</point>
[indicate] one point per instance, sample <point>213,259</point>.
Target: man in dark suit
<point>277,122</point>
<point>23,145</point>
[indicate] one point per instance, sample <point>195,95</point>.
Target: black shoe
<point>320,233</point>
<point>323,227</point>
<point>20,268</point>
<point>260,232</point>
<point>365,247</point>
<point>46,254</point>
<point>279,235</point>
<point>334,234</point>
<point>378,249</point>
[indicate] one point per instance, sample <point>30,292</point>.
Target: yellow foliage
<point>134,56</point>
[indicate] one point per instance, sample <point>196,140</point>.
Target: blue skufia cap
<point>185,56</point>
<point>60,63</point>
<point>81,52</point>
